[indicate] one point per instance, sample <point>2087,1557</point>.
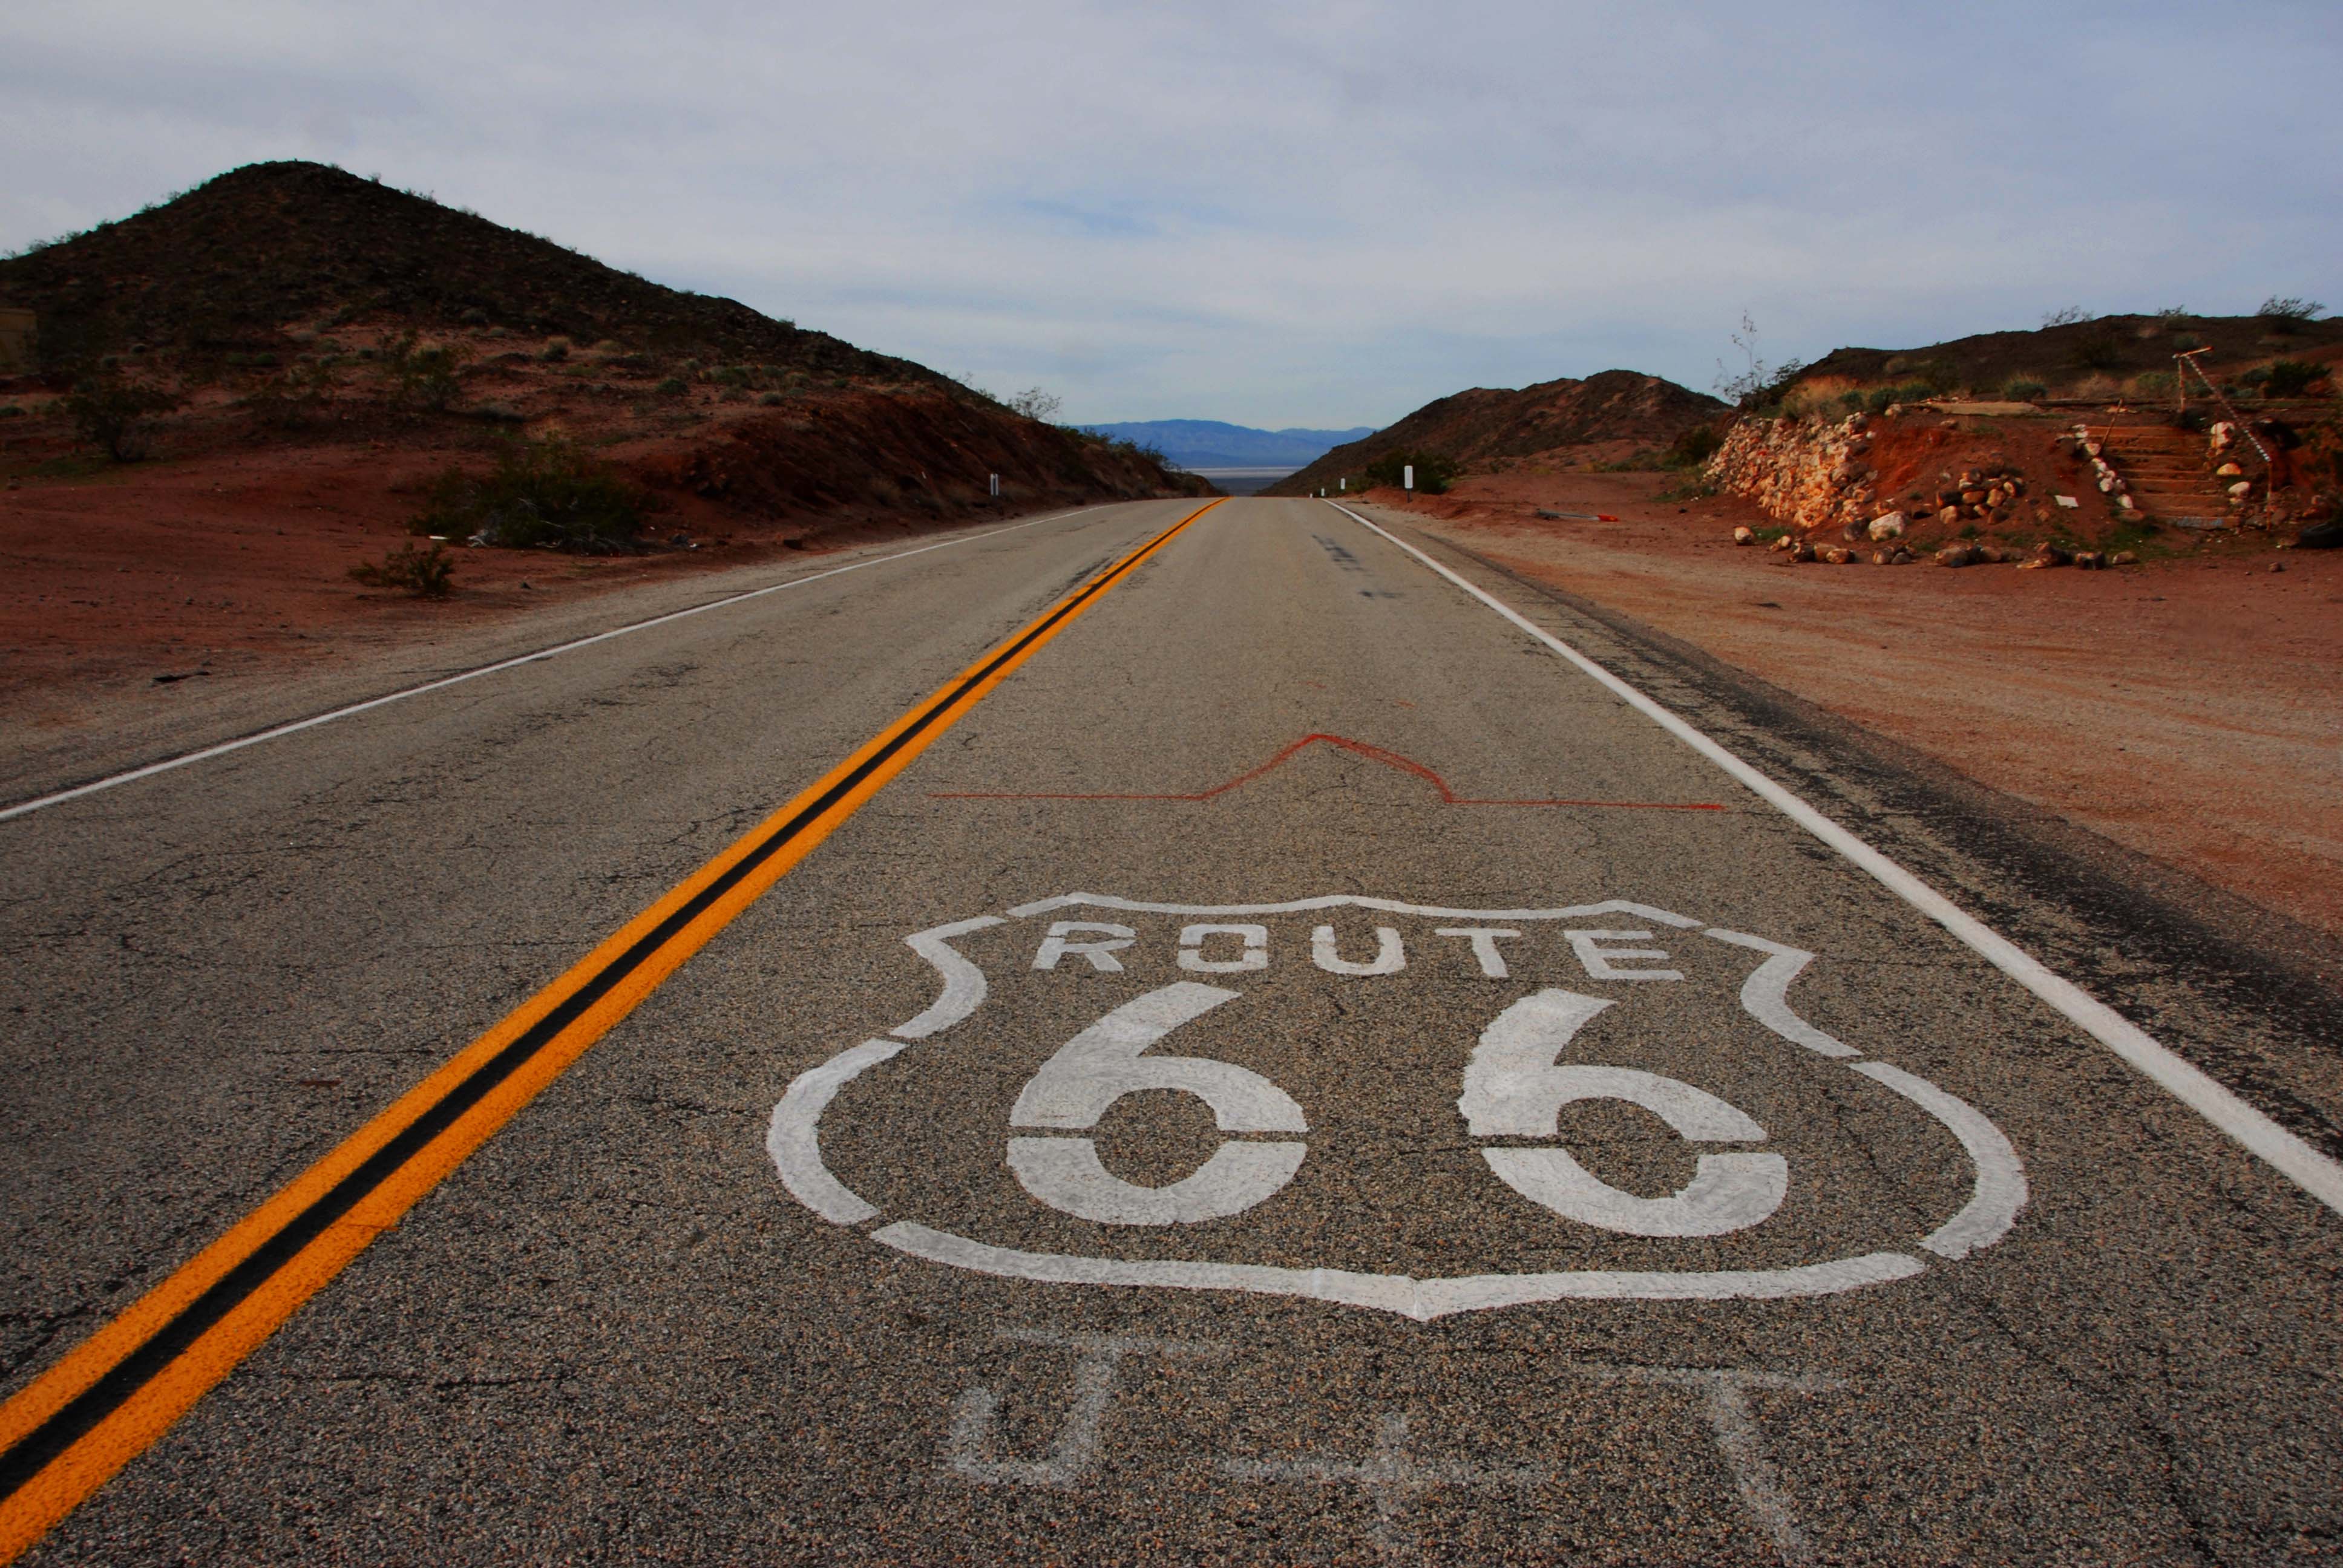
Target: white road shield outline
<point>1999,1191</point>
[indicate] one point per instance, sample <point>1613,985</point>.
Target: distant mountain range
<point>1210,444</point>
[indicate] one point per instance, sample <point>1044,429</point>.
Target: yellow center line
<point>67,1433</point>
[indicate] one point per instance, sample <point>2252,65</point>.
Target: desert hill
<point>231,263</point>
<point>294,305</point>
<point>1483,426</point>
<point>2093,359</point>
<point>241,396</point>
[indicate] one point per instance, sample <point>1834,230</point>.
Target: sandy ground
<point>239,563</point>
<point>2190,709</point>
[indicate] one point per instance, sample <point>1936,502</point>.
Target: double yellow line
<point>71,1430</point>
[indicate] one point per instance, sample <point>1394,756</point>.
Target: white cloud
<point>1318,213</point>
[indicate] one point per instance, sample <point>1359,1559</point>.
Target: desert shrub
<point>2254,377</point>
<point>1034,403</point>
<point>2292,377</point>
<point>772,400</point>
<point>423,375</point>
<point>2172,316</point>
<point>2154,384</point>
<point>2185,342</point>
<point>1882,398</point>
<point>1434,472</point>
<point>427,573</point>
<point>116,416</point>
<point>2066,316</point>
<point>289,402</point>
<point>1695,447</point>
<point>672,387</point>
<point>2287,314</point>
<point>543,494</point>
<point>11,411</point>
<point>609,346</point>
<point>556,351</point>
<point>2097,351</point>
<point>1937,378</point>
<point>732,376</point>
<point>2022,390</point>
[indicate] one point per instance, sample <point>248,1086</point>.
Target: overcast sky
<point>1315,213</point>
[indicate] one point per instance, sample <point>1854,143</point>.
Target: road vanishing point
<point>1159,1033</point>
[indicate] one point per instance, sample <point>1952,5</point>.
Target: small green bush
<point>2154,384</point>
<point>11,411</point>
<point>289,402</point>
<point>543,494</point>
<point>116,416</point>
<point>672,387</point>
<point>2292,377</point>
<point>423,375</point>
<point>1695,447</point>
<point>425,572</point>
<point>1433,473</point>
<point>732,376</point>
<point>556,351</point>
<point>2185,342</point>
<point>2097,351</point>
<point>2022,390</point>
<point>772,400</point>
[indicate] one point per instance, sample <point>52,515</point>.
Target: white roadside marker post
<point>1407,477</point>
<point>996,484</point>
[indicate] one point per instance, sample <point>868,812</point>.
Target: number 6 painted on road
<point>1100,1066</point>
<point>1513,1086</point>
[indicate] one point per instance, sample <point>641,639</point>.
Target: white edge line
<point>2306,1167</point>
<point>24,807</point>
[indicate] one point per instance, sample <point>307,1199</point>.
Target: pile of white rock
<point>2111,483</point>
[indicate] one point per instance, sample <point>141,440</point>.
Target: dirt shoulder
<point>180,604</point>
<point>2187,709</point>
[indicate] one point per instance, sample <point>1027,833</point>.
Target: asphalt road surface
<point>1259,1058</point>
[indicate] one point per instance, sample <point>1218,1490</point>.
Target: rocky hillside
<point>1484,427</point>
<point>2094,361</point>
<point>293,306</point>
<point>231,264</point>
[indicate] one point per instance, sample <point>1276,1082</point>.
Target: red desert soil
<point>2188,708</point>
<point>239,562</point>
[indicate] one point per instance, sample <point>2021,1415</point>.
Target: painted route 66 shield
<point>1392,1105</point>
